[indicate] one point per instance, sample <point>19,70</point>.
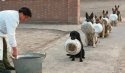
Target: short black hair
<point>26,11</point>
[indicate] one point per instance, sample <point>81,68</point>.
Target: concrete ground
<point>107,57</point>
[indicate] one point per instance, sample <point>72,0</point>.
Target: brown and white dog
<point>118,13</point>
<point>89,31</point>
<point>104,21</point>
<point>113,17</point>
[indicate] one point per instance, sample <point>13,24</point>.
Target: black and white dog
<point>75,35</point>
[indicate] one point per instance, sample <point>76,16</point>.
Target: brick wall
<point>47,11</point>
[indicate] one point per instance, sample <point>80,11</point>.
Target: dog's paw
<point>73,59</point>
<point>70,57</point>
<point>94,46</point>
<point>83,57</point>
<point>68,54</point>
<point>81,60</point>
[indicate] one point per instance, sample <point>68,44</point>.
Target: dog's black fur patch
<point>75,35</point>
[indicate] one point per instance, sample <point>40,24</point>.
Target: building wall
<point>47,11</point>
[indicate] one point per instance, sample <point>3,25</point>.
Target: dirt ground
<point>33,39</point>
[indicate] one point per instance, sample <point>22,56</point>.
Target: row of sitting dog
<point>93,27</point>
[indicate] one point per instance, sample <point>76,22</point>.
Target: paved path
<point>102,59</point>
<point>107,57</point>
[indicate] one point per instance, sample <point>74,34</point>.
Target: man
<point>9,20</point>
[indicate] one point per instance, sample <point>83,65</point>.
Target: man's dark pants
<point>5,63</point>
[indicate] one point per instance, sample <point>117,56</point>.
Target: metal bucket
<point>29,63</point>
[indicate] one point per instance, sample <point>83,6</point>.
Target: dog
<point>88,29</point>
<point>118,13</point>
<point>113,17</point>
<point>75,35</point>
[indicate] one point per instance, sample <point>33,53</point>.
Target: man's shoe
<point>10,68</point>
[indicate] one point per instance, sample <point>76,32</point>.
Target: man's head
<point>24,14</point>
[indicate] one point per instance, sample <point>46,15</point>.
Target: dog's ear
<point>100,17</point>
<point>92,15</point>
<point>87,16</point>
<point>118,6</point>
<point>115,6</point>
<point>106,12</point>
<point>103,12</point>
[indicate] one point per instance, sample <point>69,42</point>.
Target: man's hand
<point>14,53</point>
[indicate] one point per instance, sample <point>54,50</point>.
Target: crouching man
<point>9,20</point>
